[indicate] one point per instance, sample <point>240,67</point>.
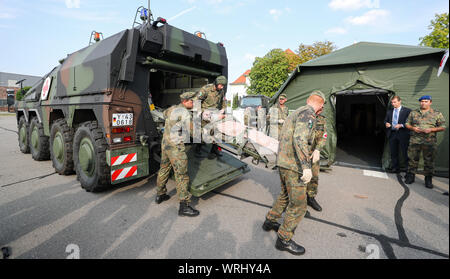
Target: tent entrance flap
<point>360,126</point>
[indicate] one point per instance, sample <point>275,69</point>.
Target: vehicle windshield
<point>250,102</point>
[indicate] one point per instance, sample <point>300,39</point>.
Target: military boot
<point>289,246</point>
<point>410,178</point>
<point>187,210</point>
<point>270,225</point>
<point>313,203</point>
<point>428,182</point>
<point>160,198</point>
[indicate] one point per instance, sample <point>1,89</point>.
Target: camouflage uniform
<point>320,139</point>
<point>211,98</point>
<point>173,153</point>
<point>276,113</point>
<point>421,142</point>
<point>297,136</point>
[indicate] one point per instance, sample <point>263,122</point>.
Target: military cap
<point>425,97</point>
<point>282,96</point>
<point>221,80</point>
<point>320,94</point>
<point>188,95</point>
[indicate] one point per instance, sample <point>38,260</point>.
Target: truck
<point>94,113</point>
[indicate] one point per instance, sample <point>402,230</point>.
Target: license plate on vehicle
<point>122,119</point>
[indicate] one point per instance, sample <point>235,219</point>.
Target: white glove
<point>281,121</point>
<point>307,175</point>
<point>315,156</point>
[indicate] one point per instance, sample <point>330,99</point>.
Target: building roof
<point>289,51</point>
<point>10,79</point>
<point>242,79</point>
<point>362,52</point>
<point>369,52</point>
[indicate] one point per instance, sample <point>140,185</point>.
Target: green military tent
<point>359,81</point>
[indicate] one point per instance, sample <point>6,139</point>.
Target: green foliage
<point>20,93</point>
<point>294,61</point>
<point>269,73</point>
<point>235,101</point>
<point>438,38</point>
<point>309,52</point>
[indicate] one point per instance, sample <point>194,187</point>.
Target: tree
<point>21,92</point>
<point>271,71</point>
<point>235,101</point>
<point>309,52</point>
<point>438,38</point>
<point>268,73</point>
<point>294,60</point>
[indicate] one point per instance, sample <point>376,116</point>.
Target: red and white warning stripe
<point>123,173</point>
<point>443,61</point>
<point>123,159</point>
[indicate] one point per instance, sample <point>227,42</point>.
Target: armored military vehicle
<point>92,114</point>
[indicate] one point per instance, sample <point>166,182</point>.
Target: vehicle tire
<point>61,147</point>
<point>89,157</point>
<point>23,130</point>
<point>39,143</point>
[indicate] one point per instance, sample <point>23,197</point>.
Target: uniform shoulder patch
<point>305,115</point>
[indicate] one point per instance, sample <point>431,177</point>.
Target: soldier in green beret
<point>424,123</point>
<point>177,131</point>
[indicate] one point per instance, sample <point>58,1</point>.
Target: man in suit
<point>397,133</point>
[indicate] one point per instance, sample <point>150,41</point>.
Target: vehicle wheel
<point>89,157</point>
<point>23,135</point>
<point>61,147</point>
<point>39,144</point>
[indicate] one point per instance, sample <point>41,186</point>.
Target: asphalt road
<point>366,214</point>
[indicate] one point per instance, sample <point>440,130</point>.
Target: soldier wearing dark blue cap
<point>424,123</point>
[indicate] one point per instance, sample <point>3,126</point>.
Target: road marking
<point>113,215</point>
<point>375,174</point>
<point>44,233</point>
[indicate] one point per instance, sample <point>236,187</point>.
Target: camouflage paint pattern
<point>173,151</point>
<point>212,98</point>
<point>296,139</point>
<point>421,142</point>
<point>111,76</point>
<point>429,154</point>
<point>292,201</point>
<point>429,119</point>
<point>320,139</point>
<point>276,117</point>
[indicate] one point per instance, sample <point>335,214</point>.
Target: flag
<point>443,61</point>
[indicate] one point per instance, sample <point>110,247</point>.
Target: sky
<point>35,34</point>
